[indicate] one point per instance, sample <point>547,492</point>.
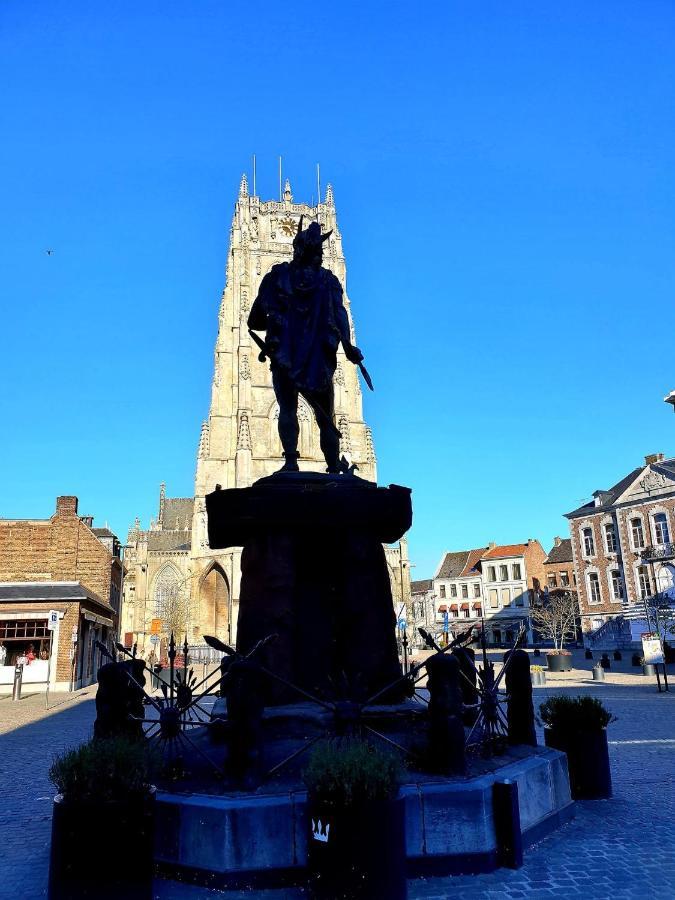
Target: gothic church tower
<point>239,442</point>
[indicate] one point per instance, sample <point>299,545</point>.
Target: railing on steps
<point>614,630</point>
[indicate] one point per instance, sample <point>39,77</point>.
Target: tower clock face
<point>287,226</point>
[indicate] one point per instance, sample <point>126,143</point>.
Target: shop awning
<point>98,620</point>
<point>477,606</point>
<point>453,607</point>
<point>443,608</point>
<point>464,606</point>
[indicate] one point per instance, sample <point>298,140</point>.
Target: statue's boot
<point>291,464</point>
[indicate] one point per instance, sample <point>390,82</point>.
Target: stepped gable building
<point>239,441</point>
<point>559,566</point>
<point>64,564</point>
<point>622,542</point>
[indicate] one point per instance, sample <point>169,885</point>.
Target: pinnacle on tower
<point>204,441</point>
<point>243,187</point>
<point>329,195</point>
<point>288,196</point>
<point>162,498</point>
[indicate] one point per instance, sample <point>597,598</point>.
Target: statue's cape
<point>302,311</point>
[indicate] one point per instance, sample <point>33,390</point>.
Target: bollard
<point>506,812</point>
<point>598,672</point>
<point>18,678</point>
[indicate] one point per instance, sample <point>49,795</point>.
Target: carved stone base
<point>314,573</point>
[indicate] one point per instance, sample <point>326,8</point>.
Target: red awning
<point>453,607</point>
<point>464,606</point>
<point>476,606</point>
<point>442,608</point>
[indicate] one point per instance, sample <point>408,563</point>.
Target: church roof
<point>169,540</point>
<point>177,513</point>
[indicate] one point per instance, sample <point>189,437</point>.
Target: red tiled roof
<point>505,550</point>
<point>472,561</point>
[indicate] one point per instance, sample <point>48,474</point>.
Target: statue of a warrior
<point>300,306</point>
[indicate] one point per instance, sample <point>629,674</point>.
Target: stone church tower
<point>239,442</point>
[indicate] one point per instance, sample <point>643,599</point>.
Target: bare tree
<point>173,605</point>
<point>555,616</point>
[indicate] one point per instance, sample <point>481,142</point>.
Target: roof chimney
<point>653,458</point>
<point>66,506</point>
<point>557,541</point>
<point>491,545</point>
<point>88,521</point>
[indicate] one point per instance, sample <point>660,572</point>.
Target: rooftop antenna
<point>281,196</point>
<point>254,193</point>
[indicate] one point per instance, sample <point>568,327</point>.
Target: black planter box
<point>587,762</point>
<point>357,851</point>
<point>102,851</point>
<point>559,662</point>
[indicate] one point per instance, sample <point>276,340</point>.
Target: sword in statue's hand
<point>261,344</point>
<point>366,377</point>
<point>355,356</point>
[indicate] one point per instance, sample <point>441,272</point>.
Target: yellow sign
<point>156,626</point>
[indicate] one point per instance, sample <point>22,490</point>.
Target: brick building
<point>622,543</point>
<point>496,583</point>
<point>559,566</point>
<point>61,563</point>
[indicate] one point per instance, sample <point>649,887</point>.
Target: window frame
<point>593,581</point>
<point>587,541</point>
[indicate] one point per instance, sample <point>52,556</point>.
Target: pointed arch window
<point>167,585</point>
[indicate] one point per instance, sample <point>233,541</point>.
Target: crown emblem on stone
<point>320,832</point>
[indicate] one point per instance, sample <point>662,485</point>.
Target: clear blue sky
<point>505,178</point>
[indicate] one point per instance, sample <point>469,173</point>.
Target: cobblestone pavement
<point>29,738</point>
<point>623,848</point>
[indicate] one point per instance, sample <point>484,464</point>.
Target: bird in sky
<point>49,252</point>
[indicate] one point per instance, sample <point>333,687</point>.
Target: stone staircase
<point>614,634</point>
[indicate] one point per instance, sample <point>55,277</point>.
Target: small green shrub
<point>536,668</point>
<point>349,771</point>
<point>558,653</point>
<point>569,714</point>
<point>103,770</point>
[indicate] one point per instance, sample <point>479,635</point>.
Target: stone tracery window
<point>167,585</point>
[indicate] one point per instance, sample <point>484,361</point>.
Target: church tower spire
<point>239,443</point>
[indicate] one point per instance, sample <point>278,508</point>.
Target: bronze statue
<point>300,306</point>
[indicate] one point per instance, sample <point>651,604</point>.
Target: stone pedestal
<point>314,573</point>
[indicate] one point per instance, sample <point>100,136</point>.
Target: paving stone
<point>623,848</point>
